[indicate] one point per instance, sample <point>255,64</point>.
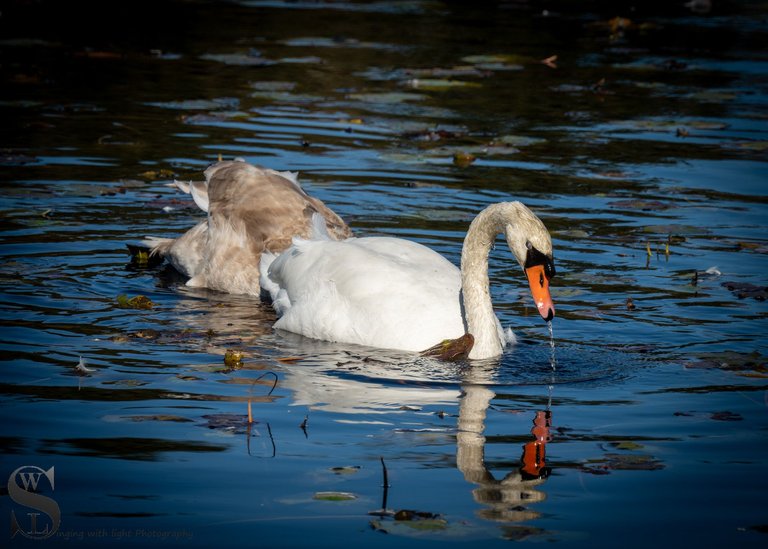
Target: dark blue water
<point>642,147</point>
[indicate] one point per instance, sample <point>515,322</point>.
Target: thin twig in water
<point>386,485</point>
<point>303,426</point>
<point>274,385</point>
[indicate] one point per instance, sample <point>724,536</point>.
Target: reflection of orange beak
<point>540,290</point>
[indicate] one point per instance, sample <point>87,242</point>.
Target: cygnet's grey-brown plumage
<point>250,209</point>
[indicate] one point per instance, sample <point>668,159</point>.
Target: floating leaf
<point>250,59</point>
<point>640,204</point>
<point>407,519</point>
<point>502,58</point>
<point>346,470</point>
<point>757,146</point>
<point>234,423</point>
<point>437,84</point>
<point>452,349</point>
<point>137,302</point>
<point>713,96</point>
<point>726,416</point>
<point>334,496</point>
<point>744,290</point>
<point>273,86</point>
<point>517,141</point>
<point>390,97</point>
<point>627,445</point>
<point>233,358</point>
<point>465,70</point>
<point>159,417</point>
<point>199,104</point>
<point>731,361</point>
<point>463,159</point>
<point>142,258</point>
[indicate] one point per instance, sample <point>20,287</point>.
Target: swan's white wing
<point>382,292</point>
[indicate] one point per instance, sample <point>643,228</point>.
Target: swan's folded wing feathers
<point>368,291</point>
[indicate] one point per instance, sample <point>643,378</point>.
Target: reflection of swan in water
<point>504,497</point>
<point>353,389</point>
<point>342,381</point>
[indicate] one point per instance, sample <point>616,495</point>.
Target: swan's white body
<point>250,210</point>
<point>395,293</point>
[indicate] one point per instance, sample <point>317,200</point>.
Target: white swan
<point>250,209</point>
<point>393,293</point>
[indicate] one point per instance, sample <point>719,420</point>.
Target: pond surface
<point>638,135</point>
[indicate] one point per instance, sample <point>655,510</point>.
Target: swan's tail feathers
<point>157,245</point>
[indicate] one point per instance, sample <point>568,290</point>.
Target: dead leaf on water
<point>231,423</point>
<point>622,462</point>
<point>726,415</point>
<point>744,290</point>
<point>463,159</point>
<point>137,302</point>
<point>627,445</point>
<point>162,173</point>
<point>346,470</point>
<point>550,61</point>
<point>233,358</point>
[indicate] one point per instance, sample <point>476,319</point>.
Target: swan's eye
<point>528,245</point>
<point>535,257</point>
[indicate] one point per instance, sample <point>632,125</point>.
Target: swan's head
<point>531,244</point>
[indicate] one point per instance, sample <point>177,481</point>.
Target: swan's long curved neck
<point>480,319</point>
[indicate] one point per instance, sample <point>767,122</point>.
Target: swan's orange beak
<point>539,284</point>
